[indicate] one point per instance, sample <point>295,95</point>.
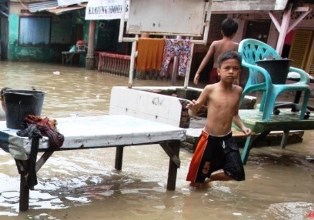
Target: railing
<point>113,63</point>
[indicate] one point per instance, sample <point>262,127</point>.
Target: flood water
<point>83,184</point>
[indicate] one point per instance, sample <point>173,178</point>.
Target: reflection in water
<point>83,184</point>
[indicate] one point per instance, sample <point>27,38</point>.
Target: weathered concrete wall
<point>19,52</point>
<point>63,35</point>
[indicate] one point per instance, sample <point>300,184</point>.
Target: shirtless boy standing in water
<point>229,28</point>
<point>216,148</point>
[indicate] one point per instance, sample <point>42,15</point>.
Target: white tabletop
<point>95,132</point>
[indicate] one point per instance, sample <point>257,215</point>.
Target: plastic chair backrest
<point>253,50</point>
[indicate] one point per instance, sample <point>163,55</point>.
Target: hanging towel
<point>149,55</point>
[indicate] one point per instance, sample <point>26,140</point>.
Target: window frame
<point>37,44</point>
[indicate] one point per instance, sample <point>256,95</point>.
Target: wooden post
<point>285,26</point>
<point>119,157</point>
<point>172,148</point>
<point>90,58</point>
<point>284,139</point>
<point>24,193</point>
<point>283,30</point>
<point>188,69</point>
<point>132,61</point>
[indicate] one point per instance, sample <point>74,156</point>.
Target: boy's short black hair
<point>229,55</point>
<point>229,27</point>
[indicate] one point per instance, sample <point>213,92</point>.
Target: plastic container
<point>20,103</point>
<point>277,68</point>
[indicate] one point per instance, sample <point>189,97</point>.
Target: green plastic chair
<point>259,79</point>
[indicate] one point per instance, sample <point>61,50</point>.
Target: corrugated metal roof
<point>42,6</point>
<point>53,7</point>
<point>61,10</point>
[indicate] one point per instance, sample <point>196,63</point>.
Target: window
<point>34,30</point>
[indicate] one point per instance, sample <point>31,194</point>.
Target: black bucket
<point>278,69</point>
<point>20,103</point>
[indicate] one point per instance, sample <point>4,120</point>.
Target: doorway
<point>258,29</point>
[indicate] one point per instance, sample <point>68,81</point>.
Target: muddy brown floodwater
<point>83,184</point>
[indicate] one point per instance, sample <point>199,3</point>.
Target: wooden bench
<point>95,132</point>
<point>286,121</point>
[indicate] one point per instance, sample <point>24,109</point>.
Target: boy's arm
<point>238,122</point>
<point>195,105</point>
<point>207,57</point>
<point>236,118</point>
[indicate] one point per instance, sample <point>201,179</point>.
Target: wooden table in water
<point>95,132</point>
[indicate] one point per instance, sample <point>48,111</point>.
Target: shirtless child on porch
<point>216,148</point>
<point>229,28</point>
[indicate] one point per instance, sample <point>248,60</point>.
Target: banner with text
<point>105,9</point>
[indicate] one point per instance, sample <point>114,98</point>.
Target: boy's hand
<point>191,107</point>
<point>191,104</point>
<point>246,131</point>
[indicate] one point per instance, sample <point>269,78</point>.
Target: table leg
<point>24,194</point>
<point>249,143</point>
<point>172,148</point>
<point>22,167</point>
<point>246,149</point>
<point>284,139</point>
<point>119,157</point>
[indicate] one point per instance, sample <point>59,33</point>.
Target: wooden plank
<point>286,120</point>
<point>173,167</point>
<point>247,5</point>
<point>97,132</point>
<point>43,160</point>
<point>172,153</point>
<point>146,105</point>
<point>24,194</point>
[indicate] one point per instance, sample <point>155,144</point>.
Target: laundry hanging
<point>176,47</point>
<point>150,53</point>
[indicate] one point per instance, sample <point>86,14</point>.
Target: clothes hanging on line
<point>176,47</point>
<point>149,55</point>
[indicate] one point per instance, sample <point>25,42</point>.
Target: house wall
<point>302,56</point>
<point>243,19</point>
<point>64,29</point>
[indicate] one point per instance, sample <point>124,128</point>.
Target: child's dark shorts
<point>222,153</point>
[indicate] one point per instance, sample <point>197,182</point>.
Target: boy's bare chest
<point>224,101</point>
